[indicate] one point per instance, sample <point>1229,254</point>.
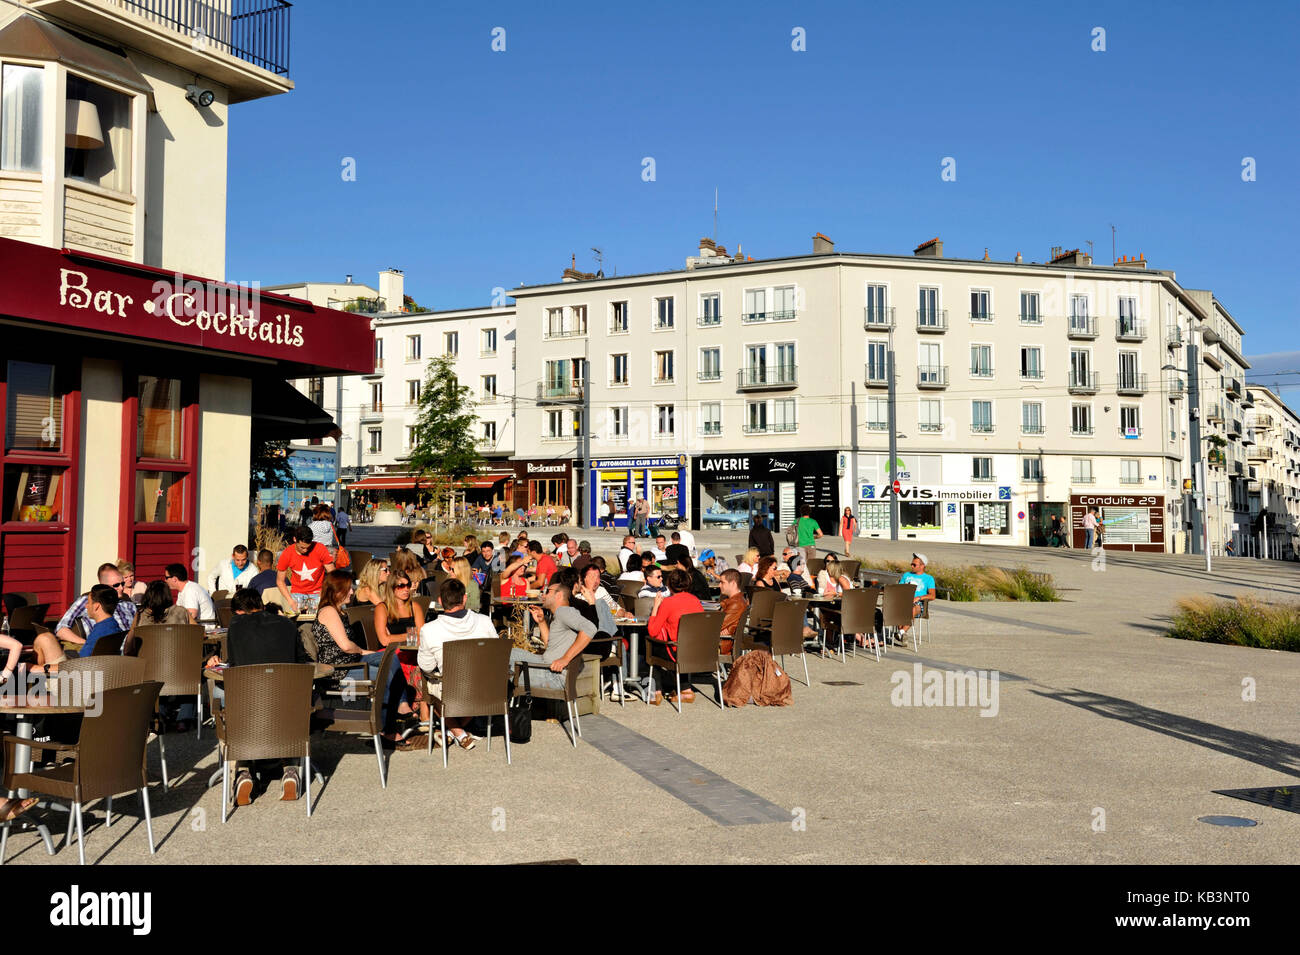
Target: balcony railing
<point>1031,318</point>
<point>1130,432</point>
<point>1131,384</point>
<point>768,376</point>
<point>711,429</point>
<point>751,318</point>
<point>1260,454</point>
<point>618,326</point>
<point>785,427</point>
<point>1174,337</point>
<point>1083,479</point>
<point>980,316</point>
<point>981,371</point>
<point>931,319</point>
<point>1081,430</point>
<point>1081,326</point>
<point>783,315</point>
<point>1031,428</point>
<point>709,374</point>
<point>1130,330</point>
<point>1234,387</point>
<point>566,390</point>
<point>754,427</point>
<point>1214,413</point>
<point>1083,383</point>
<point>877,317</point>
<point>564,331</point>
<point>709,321</point>
<point>1234,428</point>
<point>875,377</point>
<point>932,376</point>
<point>1128,479</point>
<point>1031,374</point>
<point>256,31</point>
<point>1176,388</point>
<point>981,427</point>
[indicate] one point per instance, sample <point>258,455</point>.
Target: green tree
<point>444,451</point>
<point>269,465</point>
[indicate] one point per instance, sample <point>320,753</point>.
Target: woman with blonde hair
<point>462,571</point>
<point>130,586</point>
<point>373,577</point>
<point>830,581</point>
<point>749,563</point>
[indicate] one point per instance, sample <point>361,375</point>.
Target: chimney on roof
<point>349,281</point>
<point>1019,257</point>
<point>822,245</point>
<point>708,248</point>
<point>932,249</point>
<point>392,290</point>
<point>986,253</point>
<point>1070,257</point>
<point>1124,262</point>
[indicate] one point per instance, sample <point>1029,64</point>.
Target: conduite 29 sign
<point>106,295</point>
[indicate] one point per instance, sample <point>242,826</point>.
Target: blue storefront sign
<point>620,481</point>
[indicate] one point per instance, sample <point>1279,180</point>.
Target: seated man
<point>654,582</point>
<point>924,584</point>
<point>109,576</point>
<point>101,604</point>
<point>565,636</point>
<point>456,622</point>
<point>257,637</point>
<point>544,564</point>
<point>266,575</point>
<point>734,606</point>
<point>582,558</point>
<point>232,574</point>
<point>189,594</point>
<point>628,549</point>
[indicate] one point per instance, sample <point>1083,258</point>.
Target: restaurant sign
<point>101,294</point>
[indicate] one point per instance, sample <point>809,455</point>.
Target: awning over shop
<point>283,413</point>
<point>396,483</point>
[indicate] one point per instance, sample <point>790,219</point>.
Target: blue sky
<point>478,169</point>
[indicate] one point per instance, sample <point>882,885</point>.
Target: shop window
<point>873,516</point>
<point>20,118</point>
<point>33,493</point>
<point>98,149</point>
<point>993,518</point>
<point>158,435</point>
<point>34,412</point>
<point>160,497</point>
<point>918,515</point>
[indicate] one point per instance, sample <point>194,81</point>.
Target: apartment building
<point>1274,481</point>
<point>736,386</point>
<point>134,379</point>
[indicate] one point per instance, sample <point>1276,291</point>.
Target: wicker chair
<point>224,614</point>
<point>611,659</point>
<point>787,633</point>
<point>850,567</point>
<point>815,566</point>
<point>173,655</point>
<point>568,693</point>
<point>107,759</point>
<point>24,620</point>
<point>898,610</point>
<point>267,715</point>
<point>115,672</point>
<point>697,651</point>
<point>217,595</point>
<point>761,605</point>
<point>475,681</point>
<point>858,615</point>
<point>630,588</point>
<point>367,722</point>
<point>359,560</point>
<point>364,615</point>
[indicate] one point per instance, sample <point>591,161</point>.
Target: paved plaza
<point>1107,744</point>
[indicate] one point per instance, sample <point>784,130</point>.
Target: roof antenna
<point>600,260</point>
<point>715,215</point>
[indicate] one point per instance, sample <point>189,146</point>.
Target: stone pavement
<point>1107,744</point>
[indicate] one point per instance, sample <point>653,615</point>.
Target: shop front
<point>388,489</point>
<point>622,481</point>
<point>1130,522</point>
<point>132,399</point>
<point>732,490</point>
<point>970,514</point>
<point>543,484</point>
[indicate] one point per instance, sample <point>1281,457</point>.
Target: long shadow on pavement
<point>1274,754</point>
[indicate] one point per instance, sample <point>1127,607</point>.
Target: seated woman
<point>749,563</point>
<point>665,620</point>
<point>514,579</point>
<point>131,587</point>
<point>765,574</point>
<point>591,591</point>
<point>633,571</point>
<point>404,562</point>
<point>398,617</point>
<point>463,572</point>
<point>158,607</point>
<point>373,576</point>
<point>830,581</point>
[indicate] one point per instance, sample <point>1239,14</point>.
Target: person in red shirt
<point>666,617</point>
<point>514,581</point>
<point>546,566</point>
<point>303,566</point>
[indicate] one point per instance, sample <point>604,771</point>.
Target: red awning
<point>382,483</point>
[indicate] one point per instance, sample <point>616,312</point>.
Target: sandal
<point>656,699</point>
<point>11,809</point>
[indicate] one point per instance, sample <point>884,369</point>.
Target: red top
<point>846,525</point>
<point>514,587</point>
<point>663,623</point>
<point>308,569</point>
<point>545,569</point>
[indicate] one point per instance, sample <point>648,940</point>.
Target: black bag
<point>521,713</point>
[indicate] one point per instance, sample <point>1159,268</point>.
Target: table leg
<point>23,764</point>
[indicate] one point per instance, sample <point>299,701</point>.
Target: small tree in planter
<point>444,452</point>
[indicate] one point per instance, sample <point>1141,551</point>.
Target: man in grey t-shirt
<point>565,637</point>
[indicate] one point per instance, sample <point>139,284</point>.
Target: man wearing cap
<point>923,582</point>
<point>582,558</point>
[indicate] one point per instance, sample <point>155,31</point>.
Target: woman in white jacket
<point>456,622</point>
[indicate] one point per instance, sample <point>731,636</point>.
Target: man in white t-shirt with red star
<point>303,566</point>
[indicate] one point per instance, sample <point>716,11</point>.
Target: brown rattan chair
<point>475,681</point>
<point>424,603</point>
<point>109,646</point>
<point>367,722</point>
<point>697,651</point>
<point>107,759</point>
<point>364,615</point>
<point>858,615</point>
<point>643,607</point>
<point>359,560</point>
<point>220,595</point>
<point>897,610</point>
<point>815,565</point>
<point>224,614</point>
<point>630,588</point>
<point>24,620</point>
<point>787,633</point>
<point>746,579</point>
<point>610,652</point>
<point>267,715</point>
<point>761,605</point>
<point>113,672</point>
<point>849,567</point>
<point>568,693</point>
<point>173,653</point>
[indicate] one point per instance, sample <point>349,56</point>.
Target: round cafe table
<point>26,706</point>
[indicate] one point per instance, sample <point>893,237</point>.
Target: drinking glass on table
<point>410,636</point>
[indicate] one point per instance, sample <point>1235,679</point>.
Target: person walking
<point>848,529</point>
<point>1089,527</point>
<point>341,524</point>
<point>808,532</point>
